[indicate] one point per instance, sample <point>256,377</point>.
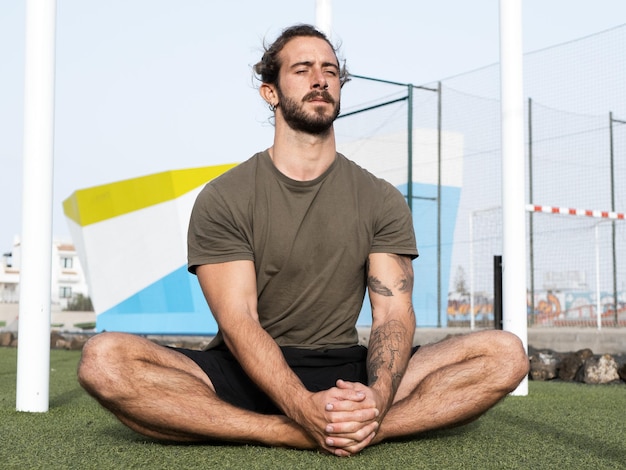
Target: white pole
<point>513,214</point>
<point>598,299</point>
<point>323,16</point>
<point>471,263</point>
<point>33,359</point>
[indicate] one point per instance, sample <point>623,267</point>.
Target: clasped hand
<point>345,418</point>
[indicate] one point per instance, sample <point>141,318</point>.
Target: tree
<point>460,285</point>
<point>79,303</point>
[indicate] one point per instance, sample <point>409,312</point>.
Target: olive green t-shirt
<point>309,241</point>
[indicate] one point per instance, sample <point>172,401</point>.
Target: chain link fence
<point>449,167</point>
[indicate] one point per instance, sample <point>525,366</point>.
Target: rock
<point>584,354</point>
<point>57,341</point>
<point>600,370</point>
<point>544,365</point>
<point>6,338</point>
<point>571,364</point>
<point>621,365</point>
<point>77,343</point>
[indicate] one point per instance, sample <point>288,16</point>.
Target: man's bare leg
<point>455,381</point>
<point>163,394</point>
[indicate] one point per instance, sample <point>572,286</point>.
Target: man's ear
<point>268,93</point>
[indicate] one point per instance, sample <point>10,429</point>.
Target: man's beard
<point>300,120</point>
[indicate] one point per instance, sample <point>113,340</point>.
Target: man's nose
<point>320,81</point>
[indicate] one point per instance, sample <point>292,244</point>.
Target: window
<point>67,262</point>
<point>65,292</point>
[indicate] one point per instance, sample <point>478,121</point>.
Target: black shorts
<point>317,369</point>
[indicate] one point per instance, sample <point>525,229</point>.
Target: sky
<point>144,86</point>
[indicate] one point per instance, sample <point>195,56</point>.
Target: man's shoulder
<point>235,186</point>
<point>364,176</point>
<point>238,174</point>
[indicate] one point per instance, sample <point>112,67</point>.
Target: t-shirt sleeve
<point>217,232</point>
<point>394,227</point>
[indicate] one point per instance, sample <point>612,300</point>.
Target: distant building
<point>68,277</point>
<point>9,280</point>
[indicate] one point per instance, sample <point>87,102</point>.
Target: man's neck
<point>301,156</point>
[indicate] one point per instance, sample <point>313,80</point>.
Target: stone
<point>600,370</point>
<point>621,365</point>
<point>77,343</point>
<point>544,365</point>
<point>57,341</point>
<point>571,364</point>
<point>584,354</point>
<point>6,338</point>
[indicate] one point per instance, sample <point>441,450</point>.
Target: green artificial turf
<point>557,426</point>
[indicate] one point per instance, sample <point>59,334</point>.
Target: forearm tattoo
<point>388,342</point>
<point>384,351</point>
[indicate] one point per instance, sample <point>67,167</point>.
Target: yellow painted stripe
<point>91,205</point>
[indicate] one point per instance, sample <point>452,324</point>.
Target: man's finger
<point>353,430</point>
<point>345,447</point>
<point>356,416</point>
<point>350,405</point>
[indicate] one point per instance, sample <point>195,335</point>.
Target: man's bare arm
<point>390,283</point>
<point>230,290</point>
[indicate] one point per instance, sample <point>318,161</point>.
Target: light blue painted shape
<point>172,305</point>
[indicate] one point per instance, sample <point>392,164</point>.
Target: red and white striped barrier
<point>578,212</point>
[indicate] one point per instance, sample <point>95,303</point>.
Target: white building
<point>68,278</point>
<point>9,280</point>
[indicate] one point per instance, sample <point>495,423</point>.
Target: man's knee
<point>94,367</point>
<point>510,351</point>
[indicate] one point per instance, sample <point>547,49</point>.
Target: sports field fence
<point>449,168</point>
